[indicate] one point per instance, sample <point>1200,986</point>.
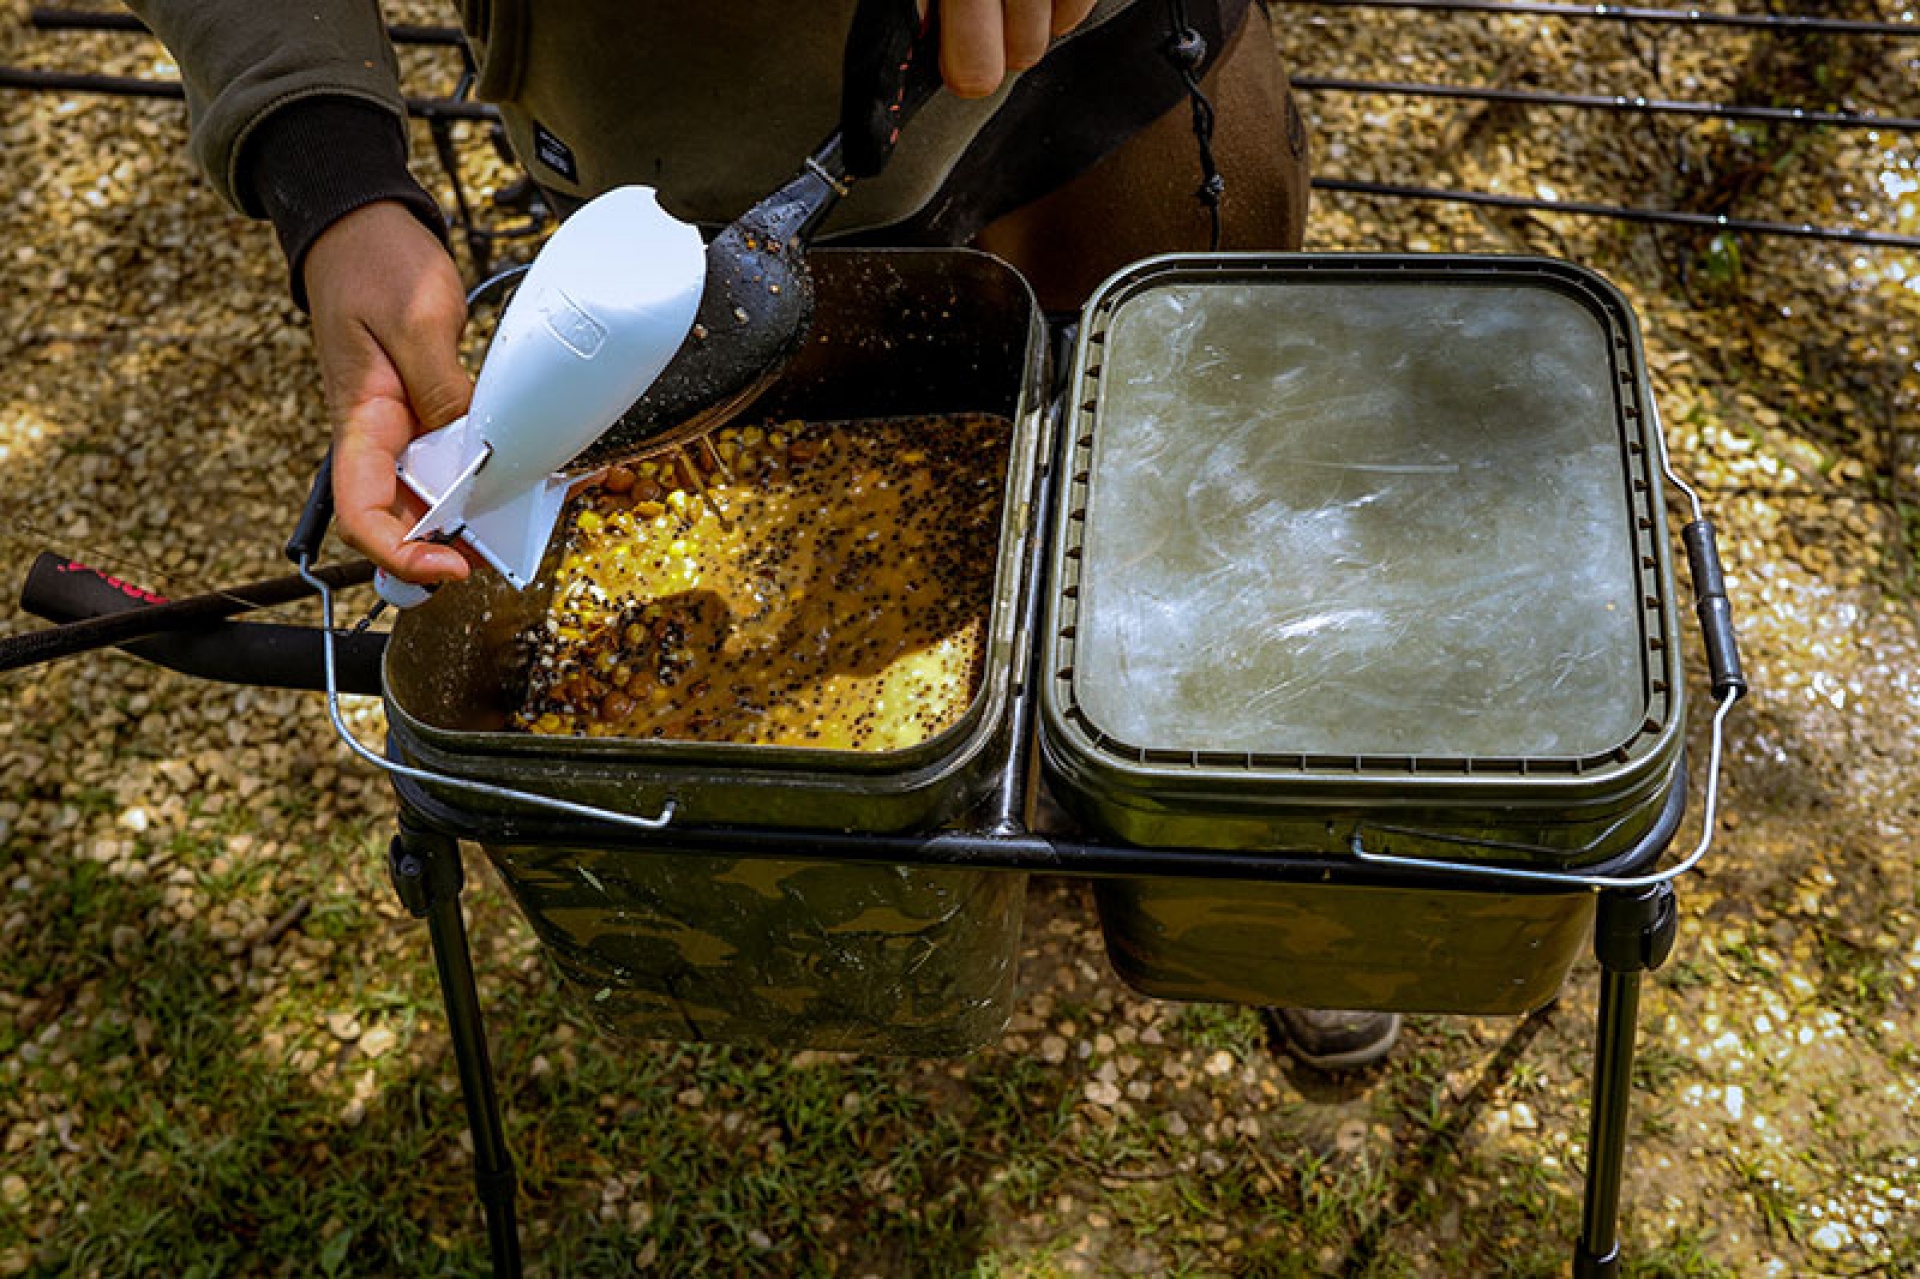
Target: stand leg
<point>426,874</point>
<point>1633,933</point>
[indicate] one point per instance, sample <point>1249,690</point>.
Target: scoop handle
<point>890,68</point>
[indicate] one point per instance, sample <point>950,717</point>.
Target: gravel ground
<point>159,418</point>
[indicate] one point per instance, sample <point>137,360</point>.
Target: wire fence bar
<point>1627,13</point>
<point>147,87</point>
<point>446,109</point>
<point>48,18</point>
<point>1612,102</point>
<point>1624,213</point>
<point>56,19</point>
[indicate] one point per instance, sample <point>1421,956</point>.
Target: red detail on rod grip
<point>127,589</point>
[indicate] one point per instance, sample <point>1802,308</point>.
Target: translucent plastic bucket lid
<point>1371,513</point>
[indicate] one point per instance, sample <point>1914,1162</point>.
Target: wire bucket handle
<point>314,519</point>
<point>1725,678</point>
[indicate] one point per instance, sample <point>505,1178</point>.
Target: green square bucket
<point>667,943</point>
<point>1360,552</point>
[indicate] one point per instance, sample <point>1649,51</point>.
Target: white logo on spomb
<point>566,320</point>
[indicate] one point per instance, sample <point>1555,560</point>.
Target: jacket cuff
<point>315,160</point>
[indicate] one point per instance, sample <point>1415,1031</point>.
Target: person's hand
<point>982,40</point>
<point>388,307</point>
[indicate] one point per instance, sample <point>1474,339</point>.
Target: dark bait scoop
<point>757,304</point>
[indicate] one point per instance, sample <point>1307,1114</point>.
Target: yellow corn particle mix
<point>821,584</point>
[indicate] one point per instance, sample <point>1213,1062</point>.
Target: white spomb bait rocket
<point>606,303</point>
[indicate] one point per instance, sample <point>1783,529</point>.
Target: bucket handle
<point>1725,678</point>
<point>428,776</point>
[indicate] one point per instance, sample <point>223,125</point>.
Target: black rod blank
<point>123,86</point>
<point>1630,13</point>
<point>1625,213</point>
<point>33,648</point>
<point>1613,102</point>
<point>49,18</point>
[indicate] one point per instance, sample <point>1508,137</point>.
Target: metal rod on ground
<point>50,19</point>
<point>122,86</point>
<point>477,248</point>
<point>1629,13</point>
<point>46,18</point>
<point>1612,102</point>
<point>1659,217</point>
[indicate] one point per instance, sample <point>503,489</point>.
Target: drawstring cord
<point>1186,49</point>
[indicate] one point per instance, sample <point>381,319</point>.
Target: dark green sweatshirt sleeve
<point>296,111</point>
<point>243,60</point>
<point>317,159</point>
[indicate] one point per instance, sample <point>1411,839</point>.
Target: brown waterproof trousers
<point>1141,199</point>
